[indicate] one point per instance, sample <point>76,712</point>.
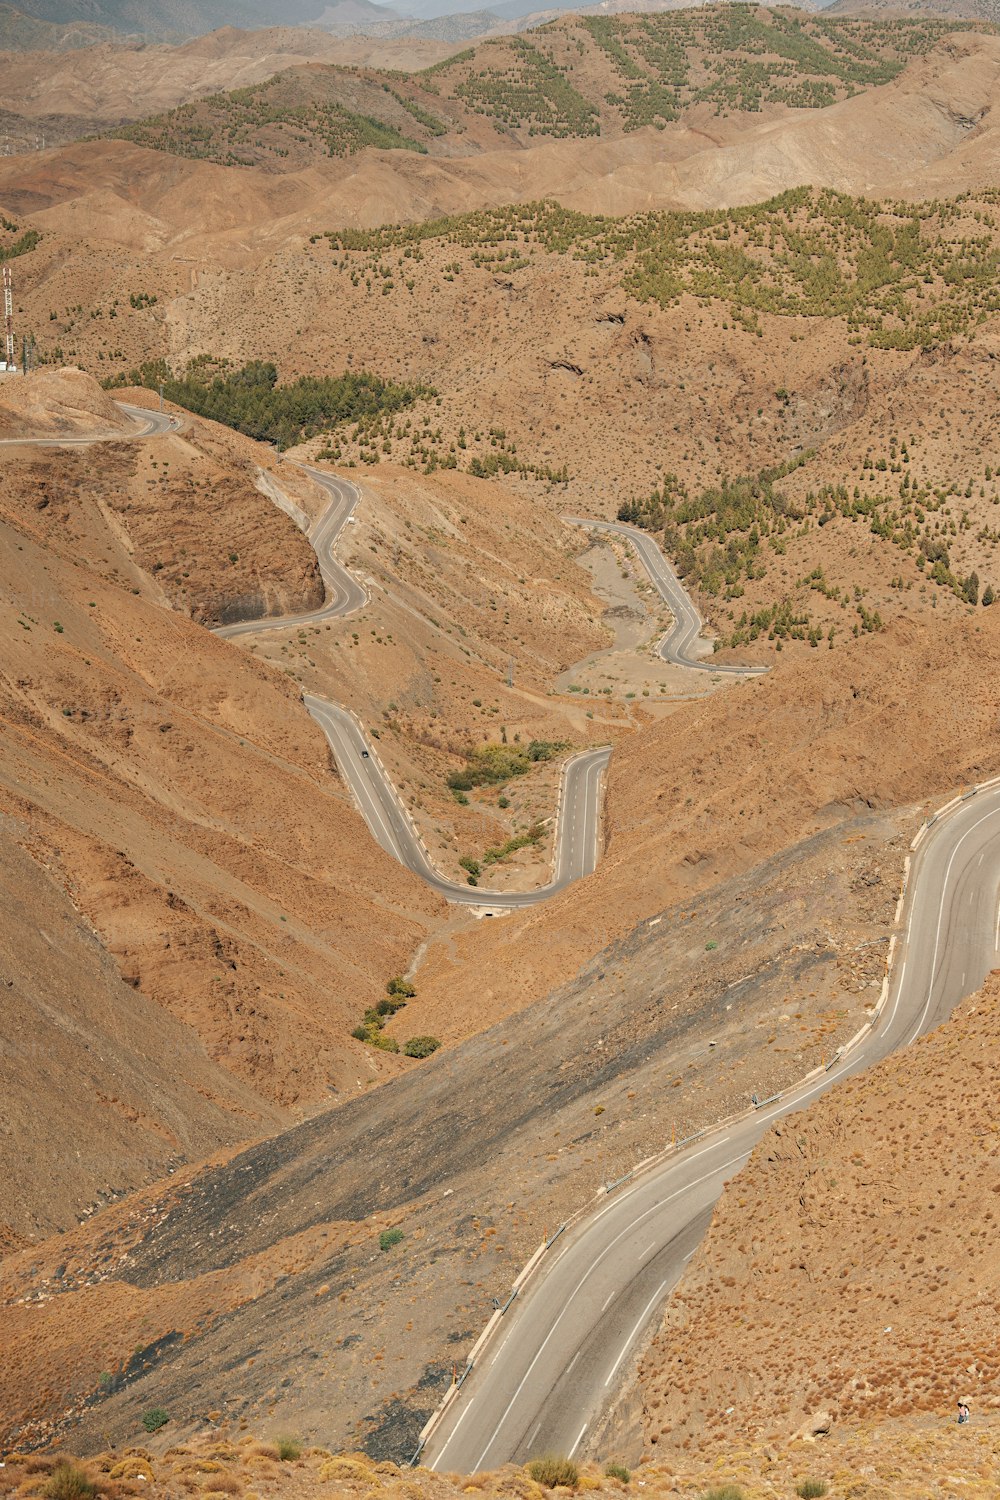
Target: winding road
<point>680,640</point>
<point>558,1354</point>
<point>151,424</point>
<point>577,842</point>
<point>543,1381</point>
<point>344,594</point>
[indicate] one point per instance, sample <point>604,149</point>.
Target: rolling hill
<point>190,17</point>
<point>574,78</point>
<point>20,32</point>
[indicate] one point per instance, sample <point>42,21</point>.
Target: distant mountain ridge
<point>576,77</point>
<point>962,10</point>
<point>173,18</point>
<point>20,32</point>
<point>76,23</point>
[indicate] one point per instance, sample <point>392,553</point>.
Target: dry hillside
<point>268,161</point>
<point>916,1460</point>
<point>121,82</point>
<point>772,863</point>
<point>871,1289</point>
<point>155,772</point>
<point>575,77</point>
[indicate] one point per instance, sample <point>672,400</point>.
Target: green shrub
<point>155,1418</point>
<point>724,1492</point>
<point>421,1046</point>
<point>69,1482</point>
<point>812,1489</point>
<point>289,1448</point>
<point>400,987</point>
<point>390,1237</point>
<point>388,1006</point>
<point>489,765</point>
<point>617,1471</point>
<point>252,401</point>
<point>552,1471</point>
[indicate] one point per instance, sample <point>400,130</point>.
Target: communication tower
<point>8,316</point>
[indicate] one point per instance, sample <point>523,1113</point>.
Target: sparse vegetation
<point>900,275</point>
<point>289,1449</point>
<point>811,1489</point>
<point>617,1471</point>
<point>491,765</point>
<point>68,1481</point>
<point>23,243</point>
<point>285,117</point>
<point>555,1473</point>
<point>371,1030</point>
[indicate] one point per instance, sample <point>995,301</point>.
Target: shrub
<point>724,1492</point>
<point>421,1046</point>
<point>390,1237</point>
<point>289,1449</point>
<point>400,987</point>
<point>551,1472</point>
<point>224,1484</point>
<point>812,1489</point>
<point>155,1418</point>
<point>617,1471</point>
<point>69,1482</point>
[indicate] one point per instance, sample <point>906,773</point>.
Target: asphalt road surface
<point>151,424</point>
<point>542,1383</point>
<point>680,642</point>
<point>344,594</point>
<point>578,830</point>
<point>577,833</point>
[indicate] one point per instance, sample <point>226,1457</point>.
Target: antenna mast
<point>8,315</point>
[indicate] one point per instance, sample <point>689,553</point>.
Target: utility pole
<point>8,316</point>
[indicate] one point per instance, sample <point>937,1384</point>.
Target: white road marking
<point>937,934</point>
<point>578,1440</point>
<point>628,1342</point>
<point>456,1427</point>
<point>656,1207</point>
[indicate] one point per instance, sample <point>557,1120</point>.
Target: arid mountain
<point>797,397</point>
<point>968,10</point>
<point>767,847</point>
<point>99,84</point>
<point>239,936</point>
<point>574,78</point>
<point>189,17</point>
<point>20,32</point>
<point>934,125</point>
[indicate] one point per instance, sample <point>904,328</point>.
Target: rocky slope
<point>177,793</point>
<point>858,1245</point>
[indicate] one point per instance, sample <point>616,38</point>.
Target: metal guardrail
<point>676,1146</point>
